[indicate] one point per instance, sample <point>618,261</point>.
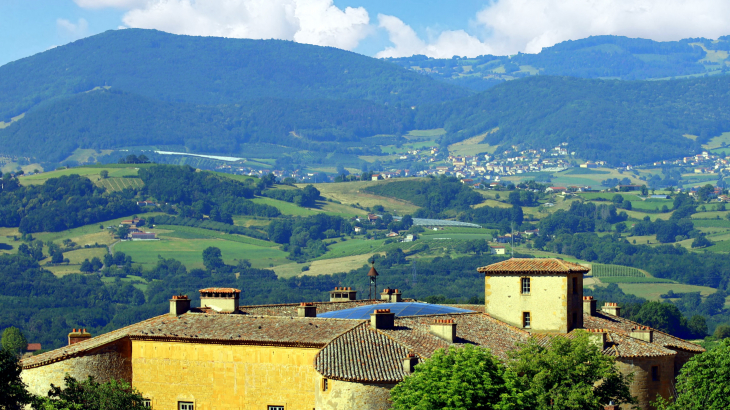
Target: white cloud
<point>446,45</point>
<point>317,22</point>
<point>73,30</point>
<point>530,25</point>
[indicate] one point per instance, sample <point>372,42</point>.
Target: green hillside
<point>208,70</point>
<point>593,57</point>
<point>616,121</point>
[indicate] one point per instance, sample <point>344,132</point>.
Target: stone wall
<point>341,395</point>
<point>112,361</point>
<point>643,387</point>
<point>681,359</point>
<point>224,377</point>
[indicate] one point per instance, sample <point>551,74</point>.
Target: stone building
<point>348,353</point>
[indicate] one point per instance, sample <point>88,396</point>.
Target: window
<point>575,319</point>
<point>526,320</point>
<point>185,405</point>
<point>525,286</point>
<point>655,373</point>
<point>325,384</point>
<point>575,286</point>
<point>147,403</point>
<point>276,408</point>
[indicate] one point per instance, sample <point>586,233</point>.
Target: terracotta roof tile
<point>362,354</point>
<point>533,265</point>
<point>621,325</point>
<point>220,290</point>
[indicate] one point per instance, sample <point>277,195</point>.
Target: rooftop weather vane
<point>373,275</point>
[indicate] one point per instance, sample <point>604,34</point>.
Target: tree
<point>57,257</point>
<point>702,242</point>
<point>14,341</point>
<point>89,394</point>
<point>457,379</point>
<point>212,258</point>
<point>13,393</point>
<point>722,332</point>
<point>703,382</point>
<point>566,375</point>
<point>697,325</point>
<point>96,264</point>
<point>86,266</point>
<point>104,174</point>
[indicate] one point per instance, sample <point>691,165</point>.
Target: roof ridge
<point>653,329</point>
<point>363,323</point>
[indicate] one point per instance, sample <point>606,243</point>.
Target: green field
<point>189,252</point>
<point>627,279</point>
<point>89,172</point>
<point>286,208</point>
<point>446,236</point>
<point>187,232</point>
<point>436,132</point>
<point>652,204</point>
<point>586,171</point>
<point>608,196</point>
<point>119,184</point>
<point>652,291</point>
<point>711,223</point>
<point>600,270</point>
<point>354,247</point>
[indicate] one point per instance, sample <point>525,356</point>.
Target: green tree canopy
<point>704,382</point>
<point>89,394</point>
<point>13,340</point>
<point>13,394</point>
<point>456,379</point>
<point>212,258</point>
<point>565,375</point>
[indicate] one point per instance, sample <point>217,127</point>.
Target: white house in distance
<point>497,249</point>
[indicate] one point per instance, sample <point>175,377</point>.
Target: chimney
<point>445,329</point>
<point>611,406</point>
<point>391,295</point>
<point>221,300</point>
<point>343,294</point>
<point>382,319</point>
<point>589,305</point>
<point>598,336</point>
<point>179,305</point>
<point>644,333</point>
<point>409,363</point>
<point>307,310</point>
<point>78,335</point>
<point>612,309</point>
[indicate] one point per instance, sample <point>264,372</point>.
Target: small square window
<point>526,320</point>
<point>147,403</point>
<point>276,408</point>
<point>525,286</point>
<point>655,373</point>
<point>575,319</point>
<point>185,405</point>
<point>575,286</point>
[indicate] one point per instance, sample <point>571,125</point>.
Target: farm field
<point>651,204</point>
<point>445,236</point>
<point>119,184</point>
<point>651,291</point>
<point>248,221</point>
<point>89,172</point>
<point>286,208</point>
<point>78,256</point>
<point>493,203</point>
<point>188,232</point>
<point>189,252</point>
<point>608,196</point>
<point>350,193</point>
<point>600,270</point>
<point>324,266</point>
<point>640,215</point>
<point>473,146</point>
<point>88,234</point>
<point>710,215</point>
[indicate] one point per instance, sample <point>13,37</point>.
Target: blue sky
<point>380,28</point>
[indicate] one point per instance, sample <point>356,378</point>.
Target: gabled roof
<point>533,265</point>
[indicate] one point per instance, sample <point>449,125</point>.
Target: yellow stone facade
<point>554,301</point>
<point>224,377</point>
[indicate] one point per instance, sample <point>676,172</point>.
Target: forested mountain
<point>617,121</point>
<point>108,119</point>
<point>209,70</point>
<point>593,57</point>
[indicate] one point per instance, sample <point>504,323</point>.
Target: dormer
<point>536,294</point>
<point>221,300</point>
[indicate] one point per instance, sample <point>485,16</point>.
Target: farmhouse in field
<point>349,353</point>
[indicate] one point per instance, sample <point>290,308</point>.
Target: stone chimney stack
<point>445,329</point>
<point>382,319</point>
<point>644,333</point>
<point>409,363</point>
<point>343,294</point>
<point>598,336</point>
<point>179,305</point>
<point>222,300</point>
<point>612,309</point>
<point>391,295</point>
<point>78,335</point>
<point>307,309</point>
<point>611,406</point>
<point>589,305</point>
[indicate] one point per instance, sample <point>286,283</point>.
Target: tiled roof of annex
<point>533,265</point>
<point>623,326</point>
